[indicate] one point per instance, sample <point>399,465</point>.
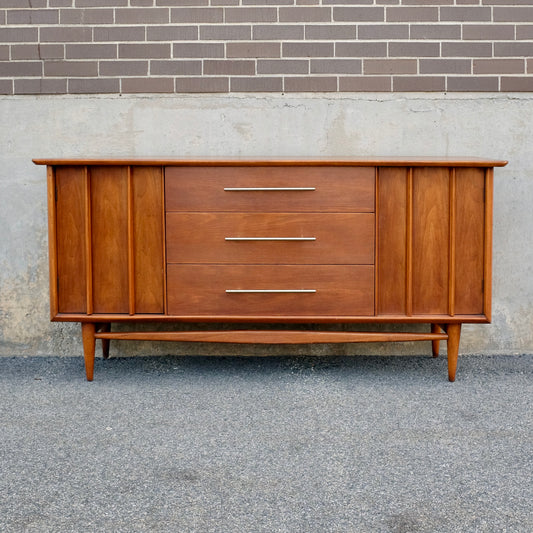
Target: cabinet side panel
<point>470,213</point>
<point>70,231</point>
<point>431,231</point>
<point>147,239</point>
<point>392,235</point>
<point>109,215</point>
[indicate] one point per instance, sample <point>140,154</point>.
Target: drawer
<point>292,290</point>
<point>293,238</point>
<point>274,189</point>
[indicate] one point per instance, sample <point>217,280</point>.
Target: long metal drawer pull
<point>247,189</point>
<point>271,238</point>
<point>269,290</point>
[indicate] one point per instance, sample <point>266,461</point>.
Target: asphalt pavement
<point>221,444</point>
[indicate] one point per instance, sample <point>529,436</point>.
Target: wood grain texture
<point>200,290</point>
<point>343,190</point>
<point>109,215</point>
<point>70,232</point>
<point>147,239</point>
<point>346,238</point>
<point>470,237</point>
<point>392,240</point>
<point>431,220</point>
<point>52,240</point>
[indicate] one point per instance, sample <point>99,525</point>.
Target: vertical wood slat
<point>376,240</point>
<point>451,253</point>
<point>131,245</point>
<point>52,240</point>
<point>487,263</point>
<point>164,239</point>
<point>431,226</point>
<point>88,242</point>
<point>409,245</point>
<point>70,233</point>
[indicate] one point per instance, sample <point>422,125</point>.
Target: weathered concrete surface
<point>490,125</point>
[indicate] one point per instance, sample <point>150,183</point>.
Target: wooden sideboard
<point>316,241</point>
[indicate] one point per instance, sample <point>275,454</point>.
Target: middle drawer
<point>270,238</point>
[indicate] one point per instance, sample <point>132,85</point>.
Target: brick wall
<point>185,46</point>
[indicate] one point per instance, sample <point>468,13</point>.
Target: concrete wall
<point>488,125</point>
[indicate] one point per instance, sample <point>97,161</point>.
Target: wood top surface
<point>264,161</point>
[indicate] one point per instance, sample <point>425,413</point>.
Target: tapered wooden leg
<point>89,342</point>
<point>454,335</point>
<point>435,328</point>
<point>105,342</point>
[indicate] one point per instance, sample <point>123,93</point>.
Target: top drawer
<point>270,189</point>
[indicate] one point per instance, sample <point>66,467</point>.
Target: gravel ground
<point>176,444</point>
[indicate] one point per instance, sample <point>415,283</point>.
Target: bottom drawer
<point>277,290</point>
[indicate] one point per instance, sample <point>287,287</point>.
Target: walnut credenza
<point>319,241</point>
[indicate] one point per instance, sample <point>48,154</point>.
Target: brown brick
<point>361,49</point>
<point>278,32</point>
<point>141,3</point>
<point>530,66</point>
<point>308,49</point>
<point>71,69</point>
<point>304,14</point>
<point>390,66</point>
<point>198,50</point>
<point>488,32</point>
<point>196,15</point>
<point>267,2</point>
<point>91,51</point>
<point>307,2</point>
<point>2,18</point>
<point>524,31</point>
<point>430,2</point>
<point>34,51</point>
<point>93,85</point>
<point>383,31</point>
<point>358,2</point>
<point>499,66</point>
<point>358,14</point>
<point>147,85</point>
<point>226,33</point>
<point>413,14</point>
<point>18,35</point>
<point>140,15</point>
<point>513,14</point>
<point>117,34</point>
<point>414,49</point>
<point>144,51</point>
<point>466,49</point>
<point>336,66</point>
<point>229,67</point>
<point>181,2</point>
<point>123,68</point>
<point>62,34</point>
<point>101,3</point>
<point>252,14</point>
<point>20,68</point>
<point>435,31</point>
<point>202,85</point>
<point>40,86</point>
<point>6,86</point>
<point>365,84</point>
<point>33,16</point>
<point>86,16</point>
<point>518,83</point>
<point>60,3</point>
<point>419,83</point>
<point>172,33</point>
<point>330,31</point>
<point>465,14</point>
<point>445,66</point>
<point>507,2</point>
<point>253,49</point>
<point>306,84</point>
<point>472,84</point>
<point>17,3</point>
<point>283,66</point>
<point>225,2</point>
<point>175,67</point>
<point>516,49</point>
<point>256,84</point>
<point>4,53</point>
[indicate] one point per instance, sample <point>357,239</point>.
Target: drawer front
<point>273,189</point>
<point>263,290</point>
<point>271,238</point>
